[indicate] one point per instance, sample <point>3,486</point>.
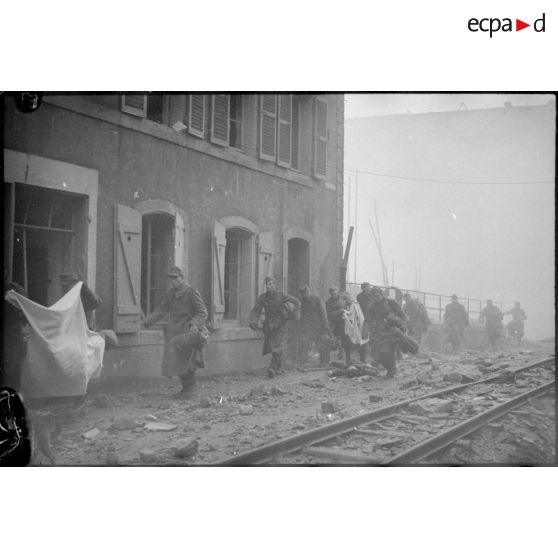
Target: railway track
<point>411,430</point>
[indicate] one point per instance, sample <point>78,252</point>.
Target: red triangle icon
<point>519,25</point>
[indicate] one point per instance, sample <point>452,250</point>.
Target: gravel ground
<point>228,415</point>
<point>526,436</point>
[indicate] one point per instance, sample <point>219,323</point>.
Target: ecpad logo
<point>492,25</point>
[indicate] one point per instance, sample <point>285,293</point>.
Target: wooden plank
<point>339,455</point>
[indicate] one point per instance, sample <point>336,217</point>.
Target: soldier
<point>335,306</point>
<point>492,316</point>
<point>313,326</point>
<point>186,333</point>
<point>89,299</point>
<point>516,327</point>
<point>386,323</point>
<point>456,319</point>
<point>352,338</point>
<point>418,316</point>
<point>279,308</point>
<point>364,298</point>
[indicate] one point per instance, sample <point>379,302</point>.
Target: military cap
<point>175,271</point>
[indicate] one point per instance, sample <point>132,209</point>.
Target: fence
<point>434,303</point>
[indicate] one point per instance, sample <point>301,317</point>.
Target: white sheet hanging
<point>62,353</point>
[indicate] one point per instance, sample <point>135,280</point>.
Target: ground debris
<point>185,447</point>
<point>409,384</point>
<point>91,434</point>
<point>148,456</point>
<point>159,426</point>
<point>246,409</point>
<point>330,407</point>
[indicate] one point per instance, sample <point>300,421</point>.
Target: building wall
<point>138,160</point>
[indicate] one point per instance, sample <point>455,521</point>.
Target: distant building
<point>120,187</point>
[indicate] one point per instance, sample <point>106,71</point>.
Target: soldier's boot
<point>272,370</point>
<point>187,380</point>
<point>278,364</point>
<point>389,363</point>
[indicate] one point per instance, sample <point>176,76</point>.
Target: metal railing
<point>434,303</point>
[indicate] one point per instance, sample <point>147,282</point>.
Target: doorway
<point>298,265</point>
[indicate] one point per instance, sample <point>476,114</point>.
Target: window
<point>268,127</point>
<point>236,269</point>
<point>320,139</point>
<point>226,120</point>
<point>233,258</point>
<point>155,104</point>
<point>284,127</point>
<point>149,106</point>
<point>134,104</point>
<point>157,255</point>
<point>280,129</point>
<point>48,236</point>
<point>196,115</point>
<point>295,130</point>
<point>236,116</point>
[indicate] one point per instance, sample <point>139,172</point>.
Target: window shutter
<point>320,139</point>
<point>265,259</point>
<point>268,118</point>
<point>127,269</point>
<point>220,114</point>
<point>134,104</point>
<point>196,115</point>
<point>218,245</point>
<point>284,131</point>
<point>179,231</point>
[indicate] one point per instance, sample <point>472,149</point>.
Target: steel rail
<point>450,436</point>
<point>267,452</point>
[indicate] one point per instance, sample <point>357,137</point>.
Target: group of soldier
<point>456,319</point>
<point>374,325</point>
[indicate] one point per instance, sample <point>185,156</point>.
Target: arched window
<point>235,270</point>
<point>163,244</point>
<point>157,256</point>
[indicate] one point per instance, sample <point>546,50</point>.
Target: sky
<point>358,105</point>
<point>481,241</point>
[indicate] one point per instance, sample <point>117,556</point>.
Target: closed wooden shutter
<point>196,115</point>
<point>134,104</point>
<point>179,239</point>
<point>320,139</point>
<point>127,269</point>
<point>220,115</point>
<point>285,130</point>
<point>268,127</point>
<point>265,259</point>
<point>218,246</point>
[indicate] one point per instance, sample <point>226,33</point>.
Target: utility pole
<point>349,219</point>
<point>346,260</point>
